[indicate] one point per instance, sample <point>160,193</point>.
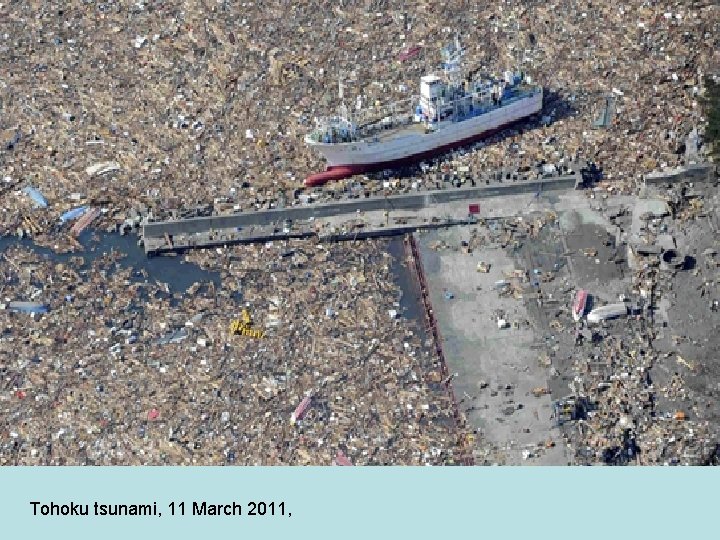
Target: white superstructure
<point>448,112</point>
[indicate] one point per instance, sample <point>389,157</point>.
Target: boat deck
<point>386,135</point>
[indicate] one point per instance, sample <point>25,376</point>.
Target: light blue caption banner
<point>357,502</point>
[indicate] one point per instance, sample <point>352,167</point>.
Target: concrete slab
<point>497,370</point>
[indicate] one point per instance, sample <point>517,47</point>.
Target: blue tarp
<point>29,307</point>
<point>36,196</point>
<point>73,214</point>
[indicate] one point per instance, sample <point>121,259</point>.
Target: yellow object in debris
<point>242,326</point>
<point>251,332</point>
<point>236,326</point>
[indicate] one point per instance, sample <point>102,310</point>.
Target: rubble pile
<point>633,377</point>
<point>618,417</point>
<point>177,108</point>
<point>113,114</point>
<point>120,370</point>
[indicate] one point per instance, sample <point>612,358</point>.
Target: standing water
<point>175,271</point>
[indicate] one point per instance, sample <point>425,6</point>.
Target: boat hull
<point>348,159</point>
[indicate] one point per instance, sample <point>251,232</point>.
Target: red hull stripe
<point>338,172</point>
<point>580,301</point>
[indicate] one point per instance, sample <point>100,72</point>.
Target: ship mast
<point>452,57</point>
<point>343,109</point>
<point>520,58</point>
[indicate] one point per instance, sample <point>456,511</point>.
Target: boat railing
<point>487,106</point>
<point>338,130</point>
<point>381,125</point>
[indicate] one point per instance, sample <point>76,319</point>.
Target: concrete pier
<point>311,220</point>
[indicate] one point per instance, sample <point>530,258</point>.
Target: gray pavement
<point>498,370</point>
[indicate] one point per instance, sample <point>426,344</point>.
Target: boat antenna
<point>452,56</point>
<point>518,47</point>
<point>343,109</point>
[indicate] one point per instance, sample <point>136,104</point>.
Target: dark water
<point>411,306</point>
<point>178,274</point>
